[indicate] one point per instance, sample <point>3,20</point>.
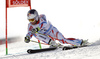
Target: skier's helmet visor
<point>31,20</point>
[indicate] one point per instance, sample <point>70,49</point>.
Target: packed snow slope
<point>19,52</point>
<point>73,18</point>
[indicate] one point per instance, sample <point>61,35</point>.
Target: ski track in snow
<point>19,52</point>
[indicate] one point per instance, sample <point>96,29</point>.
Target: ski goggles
<point>31,20</point>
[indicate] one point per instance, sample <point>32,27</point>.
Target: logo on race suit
<point>42,37</point>
<point>17,2</point>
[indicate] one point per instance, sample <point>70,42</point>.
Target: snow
<point>19,52</point>
<point>73,18</point>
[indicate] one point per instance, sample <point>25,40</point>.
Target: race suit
<point>47,31</point>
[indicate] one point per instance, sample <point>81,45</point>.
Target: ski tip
<point>29,51</point>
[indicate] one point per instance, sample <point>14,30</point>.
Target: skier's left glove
<point>27,39</point>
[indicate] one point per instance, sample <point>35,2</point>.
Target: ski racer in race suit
<point>45,31</point>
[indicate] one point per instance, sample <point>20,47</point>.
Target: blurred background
<point>73,18</point>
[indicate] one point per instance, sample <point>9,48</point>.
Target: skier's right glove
<point>27,39</point>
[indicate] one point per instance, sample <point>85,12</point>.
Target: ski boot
<point>53,44</point>
<point>84,43</point>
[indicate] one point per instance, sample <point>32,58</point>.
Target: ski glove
<point>27,39</point>
<point>33,31</point>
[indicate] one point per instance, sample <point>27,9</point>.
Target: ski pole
<point>38,42</point>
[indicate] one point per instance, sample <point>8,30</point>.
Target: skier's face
<point>33,23</point>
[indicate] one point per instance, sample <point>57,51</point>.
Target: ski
<point>74,47</point>
<point>30,51</point>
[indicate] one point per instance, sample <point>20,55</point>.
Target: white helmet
<point>32,14</point>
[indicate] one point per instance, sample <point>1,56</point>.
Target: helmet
<point>32,14</point>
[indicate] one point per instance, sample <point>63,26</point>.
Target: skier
<point>46,32</point>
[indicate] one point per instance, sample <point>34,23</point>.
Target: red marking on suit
<point>52,31</point>
<point>51,38</point>
<point>31,35</point>
<point>41,19</point>
<point>63,41</point>
<point>60,40</point>
<point>41,26</point>
<point>57,34</point>
<point>70,38</point>
<point>30,28</point>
